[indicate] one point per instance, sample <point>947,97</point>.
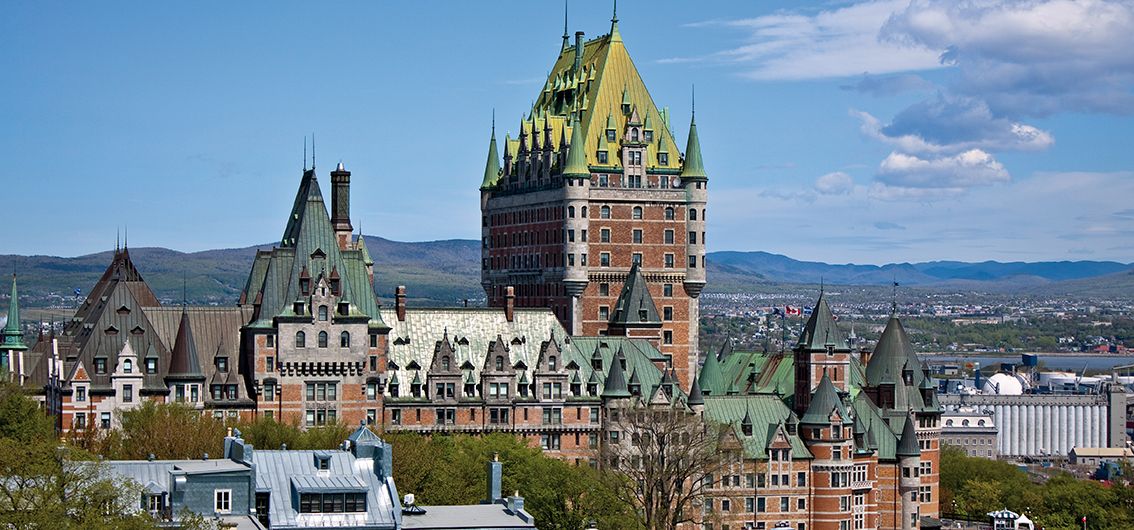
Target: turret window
<point>300,339</point>
<point>322,339</point>
<point>344,340</point>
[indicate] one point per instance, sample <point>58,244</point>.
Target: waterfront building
<point>971,430</point>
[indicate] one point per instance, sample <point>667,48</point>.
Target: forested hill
<point>448,272</point>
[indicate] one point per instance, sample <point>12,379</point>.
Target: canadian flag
<point>791,311</point>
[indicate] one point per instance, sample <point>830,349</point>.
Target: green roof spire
<point>492,166</point>
<point>576,156</point>
<point>907,444</point>
<point>615,385</point>
<point>824,401</point>
<point>13,336</point>
<point>694,167</point>
<point>711,379</point>
<point>615,36</point>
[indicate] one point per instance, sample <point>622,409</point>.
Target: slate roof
<point>821,329</point>
<point>824,401</point>
<point>184,362</point>
<point>893,356</point>
<point>907,444</point>
<point>635,306</point>
<point>215,333</point>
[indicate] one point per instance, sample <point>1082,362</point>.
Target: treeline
<point>975,486</point>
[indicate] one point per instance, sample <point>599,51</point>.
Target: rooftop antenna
<point>614,19</point>
<point>494,116</point>
<point>305,153</point>
<point>693,97</point>
<point>184,291</point>
<point>312,151</point>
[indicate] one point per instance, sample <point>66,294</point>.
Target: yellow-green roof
<point>607,77</point>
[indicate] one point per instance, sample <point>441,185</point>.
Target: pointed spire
<point>696,397</point>
<point>711,375</point>
<point>615,36</point>
<point>184,364</point>
<point>893,352</point>
<point>615,385</point>
<point>821,330</point>
<point>635,306</point>
<point>492,166</point>
<point>825,400</point>
<point>694,167</point>
<point>12,335</point>
<point>576,166</point>
<point>566,37</point>
<point>907,444</point>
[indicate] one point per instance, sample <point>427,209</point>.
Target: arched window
<point>323,312</point>
<point>669,213</point>
<point>637,212</point>
<point>445,363</point>
<point>584,212</point>
<point>300,339</point>
<point>692,214</point>
<point>964,423</point>
<point>571,212</point>
<point>634,135</point>
<point>499,363</point>
<point>344,339</point>
<point>604,212</point>
<point>703,218</point>
<point>551,364</point>
<point>322,339</point>
<point>127,366</point>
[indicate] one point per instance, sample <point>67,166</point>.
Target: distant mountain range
<point>448,272</point>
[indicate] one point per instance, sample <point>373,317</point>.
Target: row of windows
<point>756,504</point>
<point>150,366</point>
<point>498,415</point>
<point>332,502</point>
<point>301,339</point>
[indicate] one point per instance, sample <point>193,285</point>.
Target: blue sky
<point>865,132</point>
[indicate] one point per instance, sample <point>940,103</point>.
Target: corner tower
<point>592,184</point>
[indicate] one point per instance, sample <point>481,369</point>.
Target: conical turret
<point>576,166</point>
<point>13,335</point>
<point>184,364</point>
<point>907,445</point>
<point>492,166</point>
<point>694,168</point>
<point>615,385</point>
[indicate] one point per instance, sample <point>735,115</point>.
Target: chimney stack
<point>864,356</point>
<point>495,472</point>
<point>400,302</point>
<point>509,303</point>
<point>578,51</point>
<point>340,206</point>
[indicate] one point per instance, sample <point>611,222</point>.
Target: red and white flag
<point>791,311</point>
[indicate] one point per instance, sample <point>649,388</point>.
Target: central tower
<point>593,184</point>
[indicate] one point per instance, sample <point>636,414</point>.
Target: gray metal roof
<point>328,484</point>
<point>276,471</point>
<point>483,516</point>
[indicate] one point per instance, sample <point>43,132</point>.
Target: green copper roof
<point>907,445</point>
<point>893,352</point>
<point>615,385</point>
<point>576,155</point>
<point>13,336</point>
<point>764,412</point>
<point>635,306</point>
<point>492,166</point>
<point>824,401</point>
<point>821,330</point>
<point>712,379</point>
<point>694,168</point>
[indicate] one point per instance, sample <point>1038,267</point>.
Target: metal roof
<point>494,516</point>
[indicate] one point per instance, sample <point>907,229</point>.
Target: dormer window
<point>663,159</point>
<point>335,286</point>
<point>649,135</point>
<point>322,462</point>
<point>151,365</point>
<point>222,364</point>
<point>633,135</point>
<point>603,157</point>
<point>551,364</point>
<point>127,366</point>
<point>305,286</point>
<point>592,389</point>
<point>297,308</point>
<point>626,108</point>
<point>445,363</point>
<point>344,309</point>
<point>322,313</point>
<point>100,365</point>
<point>610,135</point>
<point>499,363</point>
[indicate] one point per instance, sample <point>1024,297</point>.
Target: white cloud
<point>1029,57</point>
<point>837,183</point>
<point>832,43</point>
<point>951,124</point>
<point>965,170</point>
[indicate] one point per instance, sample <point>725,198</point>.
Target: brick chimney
<point>864,357</point>
<point>509,302</point>
<point>340,206</point>
<point>400,302</point>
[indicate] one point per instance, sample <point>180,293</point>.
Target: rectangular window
<point>785,504</point>
<point>151,365</point>
<point>371,391</point>
<point>127,393</point>
<point>570,236</point>
<point>692,238</point>
<point>692,262</point>
<point>604,313</point>
<point>668,237</point>
<point>801,479</point>
<point>667,289</point>
<point>80,393</point>
<point>80,420</point>
<point>602,157</point>
<point>222,501</point>
<point>636,258</point>
<point>104,420</point>
<point>374,343</point>
<point>667,337</point>
<point>270,341</point>
<point>604,235</point>
<point>230,391</point>
<point>222,364</point>
<point>604,259</point>
<point>396,417</point>
<point>100,365</point>
<point>669,261</point>
<point>636,235</point>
